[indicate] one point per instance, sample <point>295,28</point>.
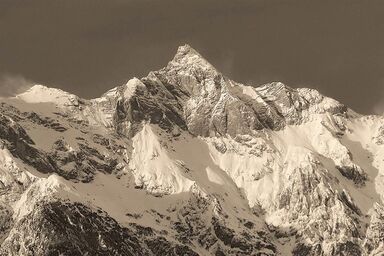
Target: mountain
<point>186,161</point>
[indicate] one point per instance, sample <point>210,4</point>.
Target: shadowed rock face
<point>79,164</point>
<point>75,229</point>
<point>154,103</point>
<point>21,145</point>
<point>191,94</point>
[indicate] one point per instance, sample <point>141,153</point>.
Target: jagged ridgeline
<point>186,161</point>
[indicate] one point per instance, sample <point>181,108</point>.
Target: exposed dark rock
<point>353,173</point>
<point>75,229</point>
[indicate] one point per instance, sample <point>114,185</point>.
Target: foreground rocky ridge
<point>188,162</point>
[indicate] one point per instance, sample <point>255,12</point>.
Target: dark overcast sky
<point>89,46</point>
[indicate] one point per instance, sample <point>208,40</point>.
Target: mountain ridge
<point>185,161</point>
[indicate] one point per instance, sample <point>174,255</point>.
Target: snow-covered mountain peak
<point>186,161</point>
<point>38,87</point>
<point>186,50</point>
<point>131,86</point>
<point>42,94</point>
<point>274,87</point>
<point>188,60</point>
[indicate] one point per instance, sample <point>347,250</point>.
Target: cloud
<point>379,107</point>
<point>11,85</point>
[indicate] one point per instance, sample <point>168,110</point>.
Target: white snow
<point>43,189</point>
<point>41,93</point>
<point>153,168</point>
<point>131,87</point>
<point>251,92</point>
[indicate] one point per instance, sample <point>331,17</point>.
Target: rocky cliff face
<point>188,162</point>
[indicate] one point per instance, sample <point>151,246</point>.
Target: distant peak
<point>131,86</point>
<point>133,82</point>
<point>276,86</point>
<point>187,57</point>
<point>41,93</point>
<point>38,87</point>
<point>186,49</point>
